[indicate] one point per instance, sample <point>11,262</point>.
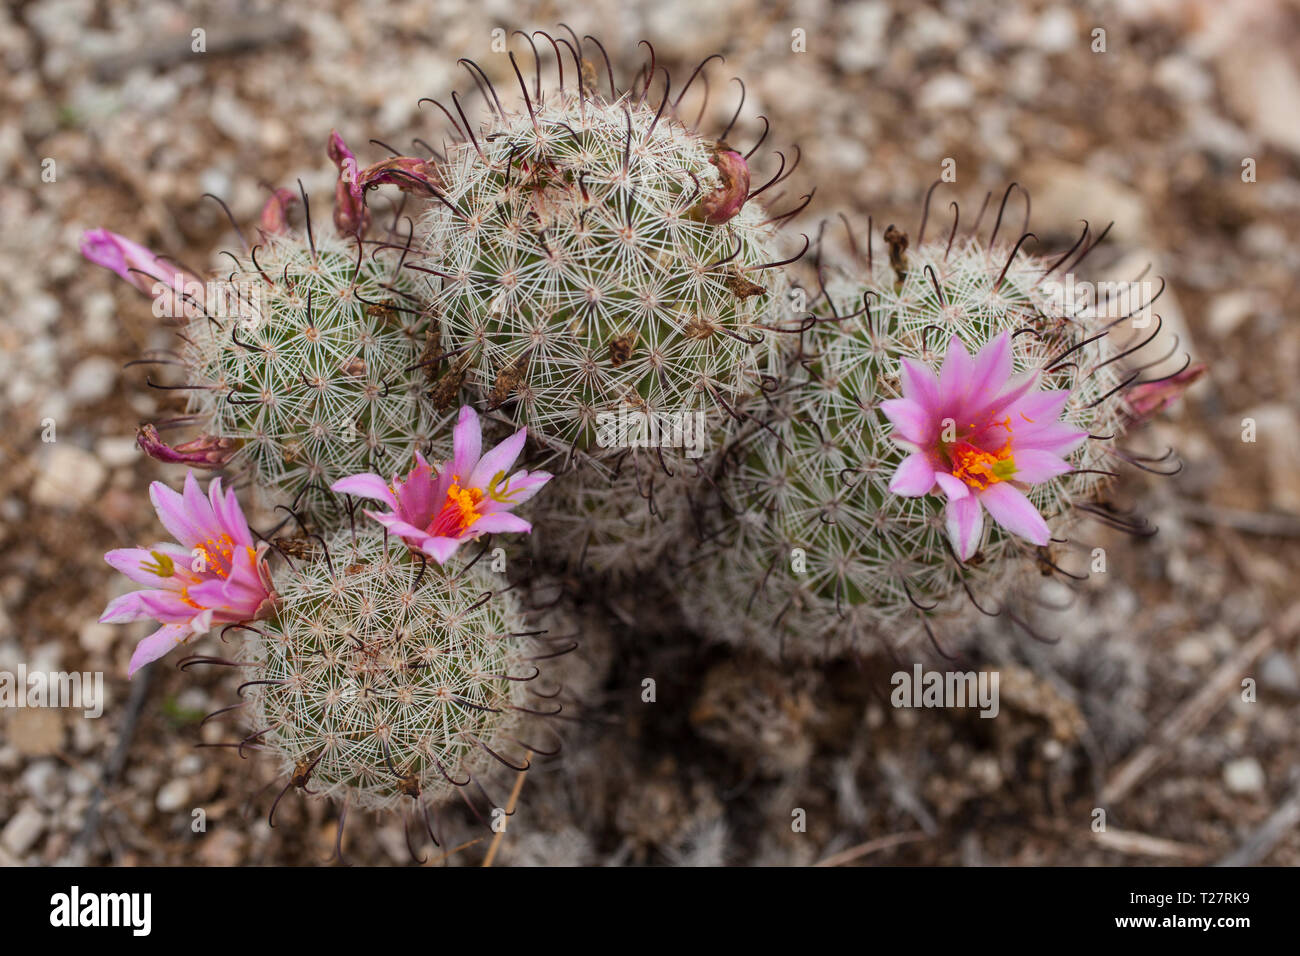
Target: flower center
<point>215,555</point>
<point>977,466</point>
<point>458,513</point>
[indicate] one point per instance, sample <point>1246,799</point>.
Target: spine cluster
<point>314,375</point>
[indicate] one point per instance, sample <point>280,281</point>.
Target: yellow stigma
<point>162,565</point>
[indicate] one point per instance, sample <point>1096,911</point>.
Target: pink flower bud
<point>1147,401</point>
<point>351,218</point>
<point>177,294</point>
<point>726,199</point>
<point>275,213</point>
<point>206,451</point>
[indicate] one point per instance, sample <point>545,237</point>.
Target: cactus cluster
<point>816,555</point>
<point>584,267</point>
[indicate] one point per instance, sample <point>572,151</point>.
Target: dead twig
<point>510,808</point>
<point>872,846</point>
<point>1269,834</point>
<point>1141,844</point>
<point>1195,713</point>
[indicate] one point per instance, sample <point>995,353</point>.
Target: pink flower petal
<point>912,422</point>
<point>521,486</point>
<point>1059,439</point>
<point>1015,391</point>
<point>965,525</point>
<point>914,477</point>
<point>953,487</point>
<point>175,516</point>
<point>229,516</point>
<point>365,486</point>
<point>198,506</point>
<point>420,495</point>
<point>502,522</point>
<point>126,607</point>
<point>467,444</point>
<point>166,606</point>
<point>498,460</point>
<point>133,561</point>
<point>156,645</point>
<point>407,532</point>
<point>991,369</point>
<point>440,549</point>
<point>1038,409</point>
<point>1011,509</point>
<point>955,375</point>
<point>1034,466</point>
<point>920,384</point>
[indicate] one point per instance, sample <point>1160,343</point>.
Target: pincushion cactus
<point>318,382</point>
<point>618,526</point>
<point>385,679</point>
<point>303,363</point>
<point>834,534</point>
<point>593,254</point>
<point>597,264</point>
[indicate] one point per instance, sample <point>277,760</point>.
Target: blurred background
<point>1183,127</point>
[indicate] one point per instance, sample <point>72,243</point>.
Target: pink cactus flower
<point>436,509</point>
<point>982,436</point>
<point>176,293</point>
<point>215,573</point>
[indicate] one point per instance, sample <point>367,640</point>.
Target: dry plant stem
<point>454,850</point>
<point>510,808</point>
<point>1268,835</point>
<point>1141,844</point>
<point>872,846</point>
<point>1194,714</point>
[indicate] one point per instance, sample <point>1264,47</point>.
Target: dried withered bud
<point>446,389</point>
<point>741,287</point>
<point>620,348</point>
<point>1148,399</point>
<point>726,199</point>
<point>699,328</point>
<point>205,451</point>
<point>896,239</point>
<point>508,379</point>
<point>296,545</point>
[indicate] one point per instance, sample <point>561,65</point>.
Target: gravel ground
<point>1136,708</point>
